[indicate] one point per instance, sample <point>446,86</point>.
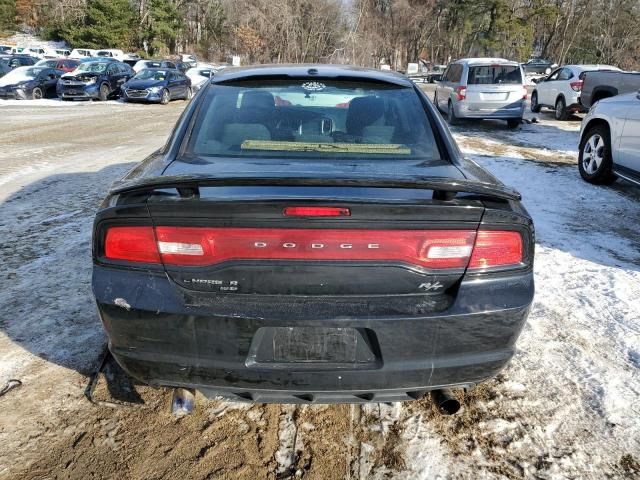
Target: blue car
<point>157,85</point>
<point>99,80</point>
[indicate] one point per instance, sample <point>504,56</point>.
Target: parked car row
<point>495,88</point>
<point>492,88</point>
<point>97,79</point>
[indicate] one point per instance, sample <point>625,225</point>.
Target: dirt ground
<point>543,419</point>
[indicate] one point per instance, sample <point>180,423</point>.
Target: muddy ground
<point>547,416</point>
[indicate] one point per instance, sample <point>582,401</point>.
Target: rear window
<point>495,75</point>
<point>313,119</point>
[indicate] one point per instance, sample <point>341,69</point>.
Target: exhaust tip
<point>445,401</point>
<point>184,399</point>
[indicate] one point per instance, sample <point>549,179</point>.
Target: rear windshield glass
<point>495,75</point>
<point>313,119</point>
<point>95,67</point>
<point>159,75</point>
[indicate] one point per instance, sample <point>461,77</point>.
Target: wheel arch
<point>602,92</point>
<point>594,122</point>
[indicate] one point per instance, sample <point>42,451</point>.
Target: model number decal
<point>219,285</point>
<point>430,286</point>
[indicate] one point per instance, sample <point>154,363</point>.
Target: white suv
<point>561,89</point>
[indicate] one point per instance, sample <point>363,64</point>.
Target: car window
<point>321,119</point>
<point>170,65</point>
<point>554,75</point>
<point>456,73</point>
<point>96,67</point>
<point>158,75</point>
<point>494,75</point>
<point>111,70</point>
<point>565,74</point>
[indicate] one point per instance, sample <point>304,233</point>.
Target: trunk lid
<point>260,251</point>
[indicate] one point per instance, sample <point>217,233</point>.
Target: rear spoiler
<point>443,188</point>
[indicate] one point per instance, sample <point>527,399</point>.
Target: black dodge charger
<point>312,234</point>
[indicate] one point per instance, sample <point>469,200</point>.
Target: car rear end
<point>575,100</point>
<point>493,89</point>
<point>324,257</point>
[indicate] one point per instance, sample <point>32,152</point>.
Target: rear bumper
<point>499,111</point>
<point>160,340</point>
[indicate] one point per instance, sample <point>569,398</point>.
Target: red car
<point>65,64</point>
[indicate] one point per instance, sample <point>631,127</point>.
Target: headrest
<point>363,111</point>
<point>257,99</point>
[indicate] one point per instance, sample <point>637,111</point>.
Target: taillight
<point>525,92</point>
<point>429,249</point>
<point>461,93</point>
<point>133,244</point>
<point>197,246</point>
<point>497,249</point>
<point>576,86</point>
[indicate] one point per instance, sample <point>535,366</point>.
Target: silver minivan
<point>482,88</point>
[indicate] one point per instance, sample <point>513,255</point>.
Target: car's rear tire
<point>104,92</point>
<point>165,98</point>
<point>514,123</point>
<point>561,109</point>
<point>451,115</point>
<point>594,160</point>
<point>535,106</point>
<point>37,93</point>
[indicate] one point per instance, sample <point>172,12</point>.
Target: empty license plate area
<point>494,96</point>
<point>313,347</point>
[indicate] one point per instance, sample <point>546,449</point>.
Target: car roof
<point>99,60</point>
<point>311,71</point>
<point>486,60</point>
<point>592,67</point>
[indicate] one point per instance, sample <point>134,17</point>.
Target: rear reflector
<point>432,249</point>
<point>497,249</point>
<point>316,212</point>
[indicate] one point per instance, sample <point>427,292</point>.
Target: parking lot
<point>568,406</point>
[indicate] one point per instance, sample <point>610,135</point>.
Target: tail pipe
<point>183,401</point>
<point>445,401</point>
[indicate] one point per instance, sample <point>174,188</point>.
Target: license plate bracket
<point>313,347</point>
